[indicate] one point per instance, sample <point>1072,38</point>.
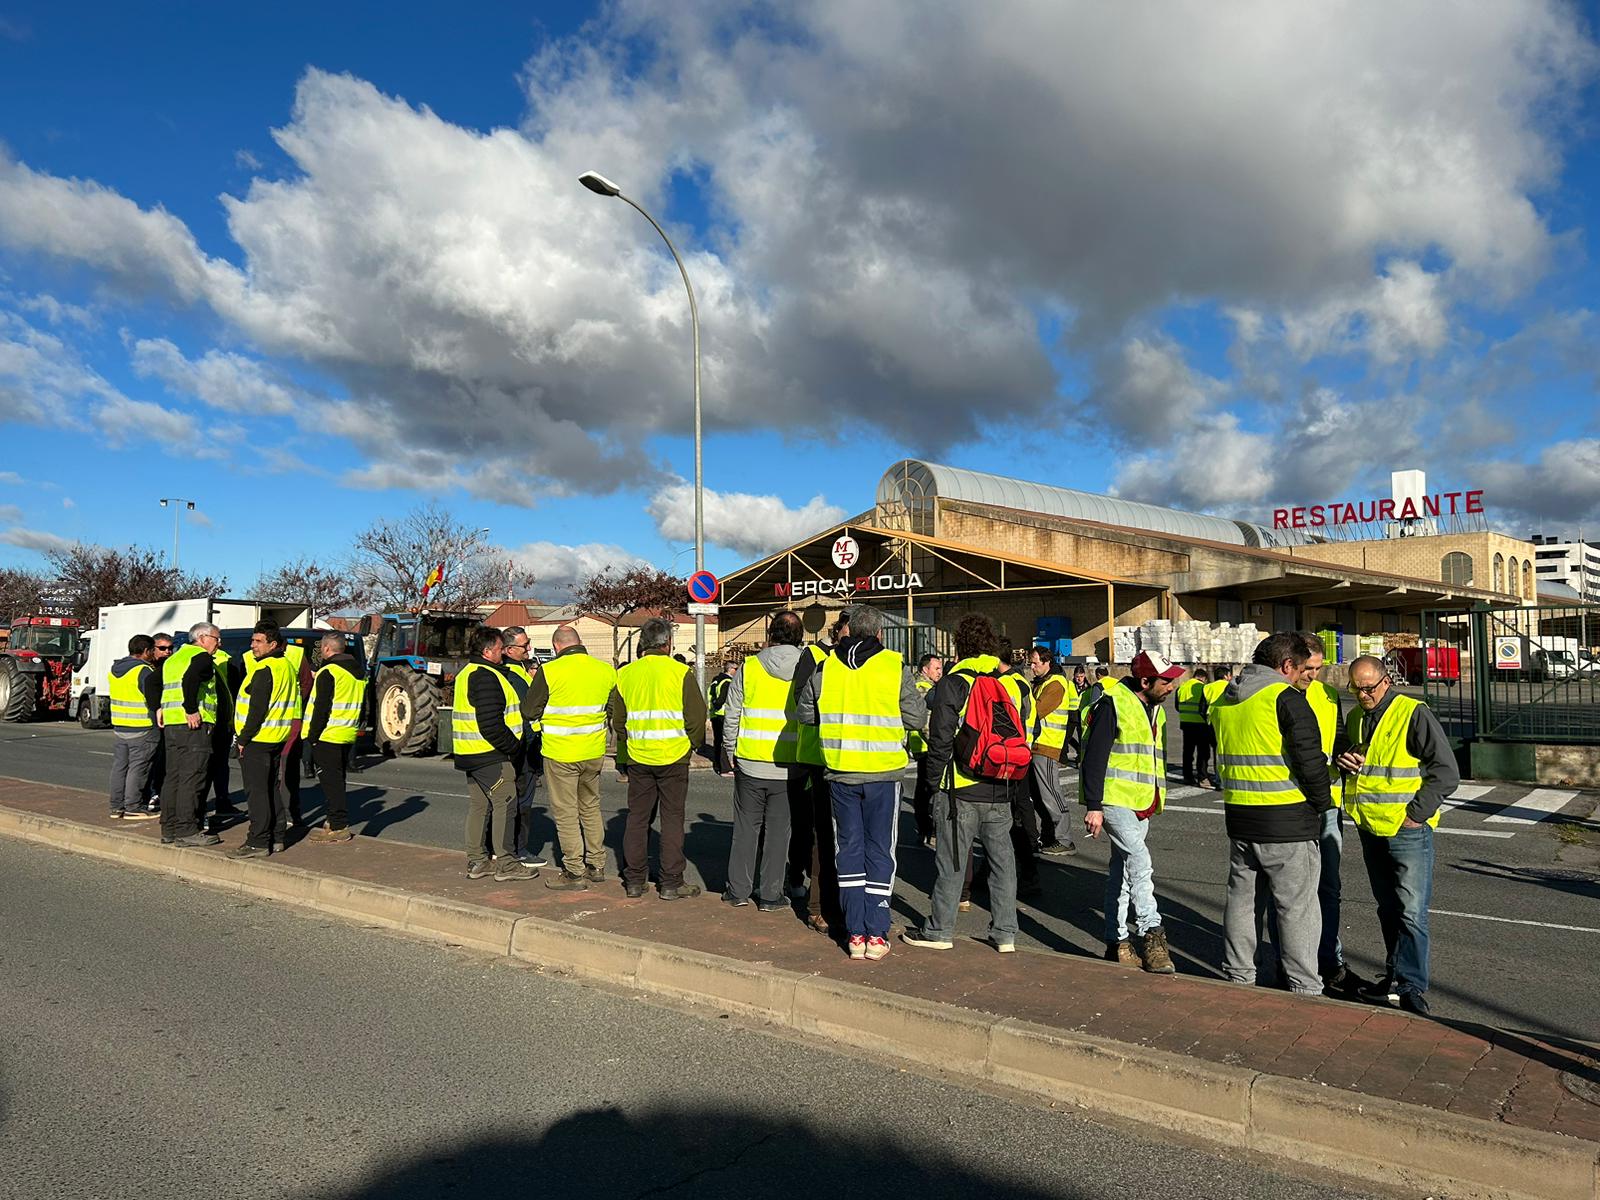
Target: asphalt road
<point>1515,923</point>
<point>164,1040</point>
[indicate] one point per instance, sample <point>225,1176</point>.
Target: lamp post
<point>601,186</point>
<point>179,506</point>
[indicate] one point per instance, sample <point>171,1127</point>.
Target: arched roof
<point>914,483</point>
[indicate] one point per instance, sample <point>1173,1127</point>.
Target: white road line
<point>1467,793</point>
<point>1536,806</point>
<point>1494,833</point>
<point>1444,912</point>
<point>104,753</point>
<point>1215,812</point>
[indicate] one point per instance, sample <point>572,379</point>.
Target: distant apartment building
<point>1574,563</point>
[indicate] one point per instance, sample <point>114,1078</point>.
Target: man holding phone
<point>1398,771</point>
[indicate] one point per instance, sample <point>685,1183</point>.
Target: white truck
<point>90,701</point>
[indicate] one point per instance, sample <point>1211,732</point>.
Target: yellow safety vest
<point>1074,698</point>
<point>276,674</point>
<point>172,687</point>
<point>809,748</point>
<point>344,717</point>
<point>128,707</point>
<point>466,737</point>
<point>1137,766</point>
<point>575,715</point>
<point>916,743</point>
<point>295,656</point>
<point>1250,751</point>
<point>222,658</point>
<point>1324,703</point>
<point>769,732</point>
<point>652,691</point>
<point>972,667</point>
<point>1050,730</point>
<point>718,689</point>
<point>1214,689</point>
<point>1190,694</point>
<point>521,672</point>
<point>859,718</point>
<point>1391,776</point>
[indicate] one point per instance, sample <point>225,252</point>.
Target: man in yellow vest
<point>971,808</point>
<point>1192,723</point>
<point>135,695</point>
<point>569,695</point>
<point>930,669</point>
<point>188,712</point>
<point>332,720</point>
<point>862,699</point>
<point>486,733</point>
<point>520,668</point>
<point>717,697</point>
<point>764,734</point>
<point>1054,699</point>
<point>1275,789</point>
<point>1399,769</point>
<point>1122,782</point>
<point>659,714</point>
<point>811,859</point>
<point>263,714</point>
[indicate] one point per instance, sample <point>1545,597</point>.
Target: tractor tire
<point>406,714</point>
<point>17,699</point>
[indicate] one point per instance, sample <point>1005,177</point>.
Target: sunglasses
<point>1369,689</point>
<point>163,649</point>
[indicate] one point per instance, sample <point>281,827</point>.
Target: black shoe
<point>226,810</point>
<point>200,839</point>
<point>633,890</point>
<point>1343,983</point>
<point>1060,850</point>
<point>684,891</point>
<point>279,847</point>
<point>1379,992</point>
<point>1415,1003</point>
<point>562,881</point>
<point>772,906</point>
<point>595,874</point>
<point>248,851</point>
<point>734,901</point>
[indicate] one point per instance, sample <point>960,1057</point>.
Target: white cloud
<point>230,382</point>
<point>1560,489</point>
<point>746,524</point>
<point>10,478</point>
<point>68,502</point>
<point>36,539</point>
<point>10,514</point>
<point>559,569</point>
<point>125,422</point>
<point>1148,393</point>
<point>247,160</point>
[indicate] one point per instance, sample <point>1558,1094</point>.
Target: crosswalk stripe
<point>1494,833</point>
<point>1466,793</point>
<point>1538,805</point>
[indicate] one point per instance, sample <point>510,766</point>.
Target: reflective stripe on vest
<point>980,664</point>
<point>466,735</point>
<point>652,691</point>
<point>809,750</point>
<point>344,715</point>
<point>719,695</point>
<point>1324,703</point>
<point>129,709</point>
<point>277,675</point>
<point>1050,730</point>
<point>916,743</point>
<point>1190,694</point>
<point>575,716</point>
<point>1391,776</point>
<point>172,672</point>
<point>1250,750</point>
<point>768,729</point>
<point>858,712</point>
<point>1136,770</point>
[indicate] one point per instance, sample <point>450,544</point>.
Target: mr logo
<point>846,553</point>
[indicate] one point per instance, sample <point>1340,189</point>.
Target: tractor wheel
<point>17,699</point>
<point>407,711</point>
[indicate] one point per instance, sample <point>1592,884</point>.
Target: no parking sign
<point>1508,653</point>
<point>704,587</point>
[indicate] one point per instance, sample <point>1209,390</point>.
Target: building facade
<point>1573,563</point>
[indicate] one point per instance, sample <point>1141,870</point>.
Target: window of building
<point>1550,553</point>
<point>1547,569</point>
<point>1499,572</point>
<point>1456,568</point>
<point>1391,621</point>
<point>1514,577</point>
<point>1527,582</point>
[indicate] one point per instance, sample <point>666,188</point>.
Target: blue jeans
<point>1130,877</point>
<point>992,824</point>
<point>1401,871</point>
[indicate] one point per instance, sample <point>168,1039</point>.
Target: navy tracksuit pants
<point>864,820</point>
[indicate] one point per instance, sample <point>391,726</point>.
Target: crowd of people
<point>819,740</point>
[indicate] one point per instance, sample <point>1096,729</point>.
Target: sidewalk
<point>1503,1083</point>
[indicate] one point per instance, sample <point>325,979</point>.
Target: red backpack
<point>990,743</point>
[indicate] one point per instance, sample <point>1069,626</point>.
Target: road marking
<point>1466,793</point>
<point>1536,806</point>
<point>1494,833</point>
<point>104,753</point>
<point>1444,912</point>
<point>1215,812</point>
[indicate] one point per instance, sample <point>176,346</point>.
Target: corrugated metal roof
<point>912,481</point>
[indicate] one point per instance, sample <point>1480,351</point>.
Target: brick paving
<point>1471,1070</point>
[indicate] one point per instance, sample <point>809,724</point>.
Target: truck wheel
<point>407,711</point>
<point>86,711</point>
<point>17,700</point>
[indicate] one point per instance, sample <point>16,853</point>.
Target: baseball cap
<point>1152,666</point>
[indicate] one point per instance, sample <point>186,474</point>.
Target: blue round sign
<point>704,587</point>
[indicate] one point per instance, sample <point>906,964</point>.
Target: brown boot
<point>1123,954</point>
<point>1157,960</point>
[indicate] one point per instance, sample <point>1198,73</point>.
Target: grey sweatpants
<point>1048,800</point>
<point>131,759</point>
<point>1289,873</point>
<point>760,821</point>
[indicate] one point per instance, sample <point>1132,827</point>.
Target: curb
<point>1360,1137</point>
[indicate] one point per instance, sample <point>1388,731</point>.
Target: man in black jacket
<point>1275,788</point>
<point>330,748</point>
<point>486,749</point>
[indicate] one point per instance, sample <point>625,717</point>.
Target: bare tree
<point>321,588</point>
<point>393,559</point>
<point>90,578</point>
<point>613,594</point>
<point>21,592</point>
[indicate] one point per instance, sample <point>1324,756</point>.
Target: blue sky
<point>316,265</point>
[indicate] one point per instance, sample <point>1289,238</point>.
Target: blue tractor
<point>411,675</point>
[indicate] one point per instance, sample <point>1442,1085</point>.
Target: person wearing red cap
<point>1122,782</point>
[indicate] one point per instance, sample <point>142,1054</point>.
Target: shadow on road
<point>1560,879</point>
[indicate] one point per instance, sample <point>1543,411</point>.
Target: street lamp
<point>179,506</point>
<point>601,186</point>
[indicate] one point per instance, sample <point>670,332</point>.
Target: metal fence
<point>1515,674</point>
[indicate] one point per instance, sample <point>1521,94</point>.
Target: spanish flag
<point>435,576</point>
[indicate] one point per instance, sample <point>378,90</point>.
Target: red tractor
<point>36,667</point>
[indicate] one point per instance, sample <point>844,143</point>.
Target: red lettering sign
<point>1280,518</point>
<point>1367,512</point>
<point>1475,502</point>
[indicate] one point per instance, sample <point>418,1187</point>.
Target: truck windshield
<point>442,639</point>
<point>51,641</point>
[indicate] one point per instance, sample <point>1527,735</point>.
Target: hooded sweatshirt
<point>151,690</point>
<point>779,662</point>
<point>1308,767</point>
<point>853,652</point>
